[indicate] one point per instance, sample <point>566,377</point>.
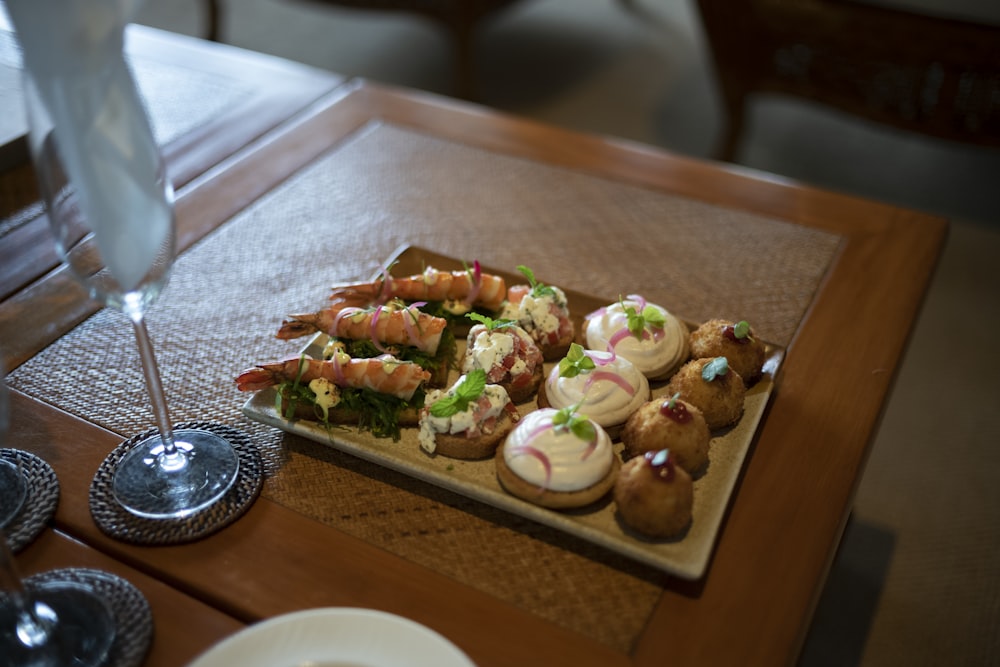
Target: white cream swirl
<point>607,394</point>
<point>555,459</point>
<point>657,354</point>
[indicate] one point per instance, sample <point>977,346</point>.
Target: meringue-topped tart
<point>645,333</point>
<point>607,388</point>
<point>557,459</point>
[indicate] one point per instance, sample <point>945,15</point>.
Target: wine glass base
<point>13,491</point>
<point>82,633</point>
<point>150,484</point>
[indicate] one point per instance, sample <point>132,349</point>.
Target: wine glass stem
<point>155,387</point>
<point>32,629</point>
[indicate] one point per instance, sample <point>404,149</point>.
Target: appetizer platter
<point>417,445</point>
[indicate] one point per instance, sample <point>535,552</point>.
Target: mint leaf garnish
<point>741,330</point>
<point>637,322</point>
<point>575,362</point>
<point>469,390</point>
<point>578,425</point>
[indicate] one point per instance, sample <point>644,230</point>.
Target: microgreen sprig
<point>672,403</point>
<point>537,289</point>
<point>490,323</point>
<point>637,321</point>
<point>741,330</point>
<point>470,389</point>
<point>566,419</point>
<point>716,368</point>
<point>575,362</point>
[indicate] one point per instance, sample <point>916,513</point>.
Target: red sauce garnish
<point>662,464</point>
<point>729,332</point>
<point>678,411</point>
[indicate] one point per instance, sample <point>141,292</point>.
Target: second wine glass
<point>110,207</point>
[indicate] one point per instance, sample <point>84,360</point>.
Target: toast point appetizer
<point>508,355</point>
<point>542,311</point>
<point>467,421</point>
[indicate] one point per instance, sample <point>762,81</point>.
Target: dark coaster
<point>117,522</point>
<point>133,617</point>
<point>40,503</point>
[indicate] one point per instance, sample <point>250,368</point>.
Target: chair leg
<point>465,70</point>
<point>213,15</point>
<point>734,110</point>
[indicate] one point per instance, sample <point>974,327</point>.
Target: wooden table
<point>836,280</point>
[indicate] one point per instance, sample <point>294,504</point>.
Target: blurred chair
<point>460,17</point>
<point>939,77</point>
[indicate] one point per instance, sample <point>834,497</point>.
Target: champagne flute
<point>110,207</point>
<point>55,622</point>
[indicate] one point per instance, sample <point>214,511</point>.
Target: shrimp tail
<point>297,327</point>
<point>260,377</point>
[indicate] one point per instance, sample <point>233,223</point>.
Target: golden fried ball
<point>674,424</point>
<point>720,338</point>
<point>654,496</point>
<point>720,398</point>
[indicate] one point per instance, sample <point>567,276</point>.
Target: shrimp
<point>385,374</point>
<point>471,287</point>
<point>393,324</point>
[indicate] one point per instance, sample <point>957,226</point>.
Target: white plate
<point>335,637</point>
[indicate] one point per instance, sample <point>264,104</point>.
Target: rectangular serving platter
<point>686,556</point>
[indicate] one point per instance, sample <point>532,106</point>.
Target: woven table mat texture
<point>338,220</point>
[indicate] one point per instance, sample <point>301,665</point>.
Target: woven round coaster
<point>39,505</point>
<point>117,522</point>
<point>133,617</point>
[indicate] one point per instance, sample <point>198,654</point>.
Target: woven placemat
<point>133,617</point>
<point>40,504</point>
<point>117,522</point>
<point>341,218</point>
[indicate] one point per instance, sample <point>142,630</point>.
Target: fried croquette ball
<point>669,423</point>
<point>733,340</point>
<point>712,387</point>
<point>654,495</point>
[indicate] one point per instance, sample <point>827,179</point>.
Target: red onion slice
<point>338,371</point>
<point>611,377</point>
<point>618,337</point>
<point>385,289</point>
<point>600,360</point>
<point>541,457</point>
<point>349,311</point>
<point>639,300</point>
<point>477,283</point>
<point>373,330</point>
<point>412,315</point>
